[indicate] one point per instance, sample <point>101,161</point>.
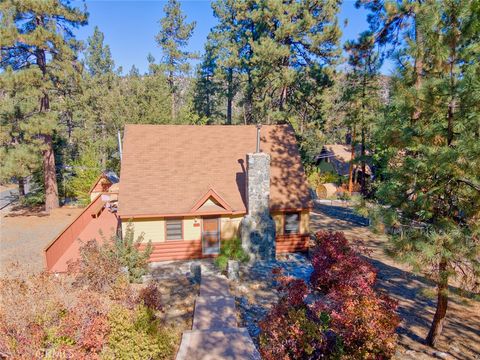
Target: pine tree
<point>361,93</point>
<point>97,102</point>
<point>98,57</point>
<point>172,39</point>
<point>229,39</point>
<point>207,87</point>
<point>431,192</point>
<point>280,55</point>
<point>134,71</point>
<point>295,40</point>
<point>19,157</point>
<point>38,35</point>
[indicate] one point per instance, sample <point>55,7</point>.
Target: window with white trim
<point>292,223</point>
<point>174,229</point>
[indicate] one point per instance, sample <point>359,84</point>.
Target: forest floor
<point>25,233</point>
<point>416,294</point>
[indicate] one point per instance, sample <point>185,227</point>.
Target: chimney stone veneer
<point>258,228</point>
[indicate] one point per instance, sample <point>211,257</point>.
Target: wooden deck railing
<point>57,247</point>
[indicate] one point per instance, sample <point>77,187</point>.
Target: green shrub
<point>137,334</point>
<point>34,198</point>
<point>231,250</point>
<point>86,171</point>
<point>317,177</point>
<point>129,255</point>
<point>100,265</point>
<point>344,196</point>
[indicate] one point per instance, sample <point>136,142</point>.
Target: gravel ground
<point>23,236</point>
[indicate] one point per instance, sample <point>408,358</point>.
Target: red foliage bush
<point>365,322</point>
<point>291,330</point>
<point>350,319</point>
<point>150,297</point>
<point>337,265</point>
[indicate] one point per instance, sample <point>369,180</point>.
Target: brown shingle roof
<point>340,156</point>
<point>166,169</point>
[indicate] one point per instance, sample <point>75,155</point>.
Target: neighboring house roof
<point>105,178</point>
<point>339,156</point>
<point>170,170</point>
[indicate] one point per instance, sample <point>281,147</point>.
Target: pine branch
<point>469,183</point>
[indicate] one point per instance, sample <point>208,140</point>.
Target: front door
<point>211,236</point>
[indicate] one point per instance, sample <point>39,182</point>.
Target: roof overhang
<point>176,215</point>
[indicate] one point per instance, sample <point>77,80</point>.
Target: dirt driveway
<point>24,235</point>
<point>415,294</point>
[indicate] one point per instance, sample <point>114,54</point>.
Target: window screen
<point>174,229</point>
<point>292,223</point>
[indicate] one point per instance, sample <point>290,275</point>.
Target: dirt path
<point>461,334</point>
<point>23,236</point>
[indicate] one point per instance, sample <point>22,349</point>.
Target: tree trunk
<point>172,91</point>
<point>249,100</point>
<point>283,98</point>
<point>364,165</point>
<point>21,188</point>
<point>418,69</point>
<point>229,95</point>
<point>173,106</point>
<point>352,157</point>
<point>442,304</point>
<point>49,174</point>
<point>49,171</point>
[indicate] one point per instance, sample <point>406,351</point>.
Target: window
<point>174,229</point>
<point>292,223</point>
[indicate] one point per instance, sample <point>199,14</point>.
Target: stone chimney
<point>258,228</point>
<point>258,184</point>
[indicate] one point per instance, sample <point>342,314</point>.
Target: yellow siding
<point>279,221</point>
<point>191,232</point>
<point>209,202</point>
<point>153,229</point>
<point>229,226</point>
<point>305,222</point>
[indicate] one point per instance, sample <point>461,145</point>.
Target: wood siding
<point>191,246</point>
<point>292,243</point>
<point>177,250</point>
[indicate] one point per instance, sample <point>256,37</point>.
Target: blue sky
<point>130,27</point>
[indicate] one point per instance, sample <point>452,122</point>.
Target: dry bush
<point>75,315</point>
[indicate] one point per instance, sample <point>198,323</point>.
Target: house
<point>336,158</point>
<point>187,187</point>
<point>103,183</point>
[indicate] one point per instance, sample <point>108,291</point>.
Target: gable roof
<point>170,170</point>
<point>340,155</point>
<point>211,201</point>
<point>107,177</point>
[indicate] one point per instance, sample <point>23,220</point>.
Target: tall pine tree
<point>362,97</point>
<point>38,35</point>
<point>431,143</point>
<point>172,39</point>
